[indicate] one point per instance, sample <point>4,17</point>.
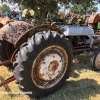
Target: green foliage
<point>5,8</point>
<point>77,8</point>
<point>27,13</point>
<point>83,7</point>
<point>22,7</point>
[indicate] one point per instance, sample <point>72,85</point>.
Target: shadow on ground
<point>81,62</point>
<point>75,90</point>
<point>7,89</point>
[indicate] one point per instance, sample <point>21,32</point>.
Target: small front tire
<point>95,59</point>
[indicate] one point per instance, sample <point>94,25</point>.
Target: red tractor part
<point>93,22</point>
<point>95,18</point>
<point>12,78</point>
<point>5,20</point>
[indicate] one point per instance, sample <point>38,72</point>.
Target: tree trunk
<point>42,15</point>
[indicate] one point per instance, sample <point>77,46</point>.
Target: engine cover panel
<point>77,31</point>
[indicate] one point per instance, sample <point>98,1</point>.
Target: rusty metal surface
<point>49,67</point>
<point>94,18</point>
<point>97,61</point>
<point>14,30</point>
<point>4,20</point>
<point>33,31</point>
<point>12,78</point>
<point>96,41</point>
<point>84,46</point>
<point>84,49</point>
<point>9,49</point>
<point>9,61</point>
<point>13,55</point>
<point>5,62</point>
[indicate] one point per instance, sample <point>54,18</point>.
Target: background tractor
<point>94,22</point>
<point>42,56</point>
<point>78,20</point>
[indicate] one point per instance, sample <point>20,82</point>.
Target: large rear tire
<point>43,64</point>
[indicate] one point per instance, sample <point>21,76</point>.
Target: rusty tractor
<point>42,56</point>
<point>94,22</point>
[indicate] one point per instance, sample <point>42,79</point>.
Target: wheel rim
<point>97,61</point>
<point>49,67</point>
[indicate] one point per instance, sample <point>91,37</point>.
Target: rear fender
<point>31,32</point>
<point>14,30</point>
<point>18,32</point>
<point>95,18</point>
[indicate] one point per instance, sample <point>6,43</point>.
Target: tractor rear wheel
<point>43,64</point>
<point>6,51</point>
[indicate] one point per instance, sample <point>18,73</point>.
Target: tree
<point>84,7</point>
<point>41,7</point>
<point>93,10</point>
<point>5,8</point>
<point>77,9</point>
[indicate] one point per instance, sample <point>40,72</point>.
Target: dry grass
<point>83,84</point>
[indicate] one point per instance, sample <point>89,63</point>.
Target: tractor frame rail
<point>12,78</point>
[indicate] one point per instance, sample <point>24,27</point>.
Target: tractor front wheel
<point>95,59</point>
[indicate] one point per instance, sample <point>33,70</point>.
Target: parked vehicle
<point>42,56</point>
<point>94,22</point>
<point>78,20</point>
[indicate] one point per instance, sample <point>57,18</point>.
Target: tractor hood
<point>77,31</point>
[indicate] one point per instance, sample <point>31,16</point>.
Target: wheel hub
<point>49,67</point>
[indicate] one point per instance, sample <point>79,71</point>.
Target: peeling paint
<point>49,67</point>
<point>14,30</point>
